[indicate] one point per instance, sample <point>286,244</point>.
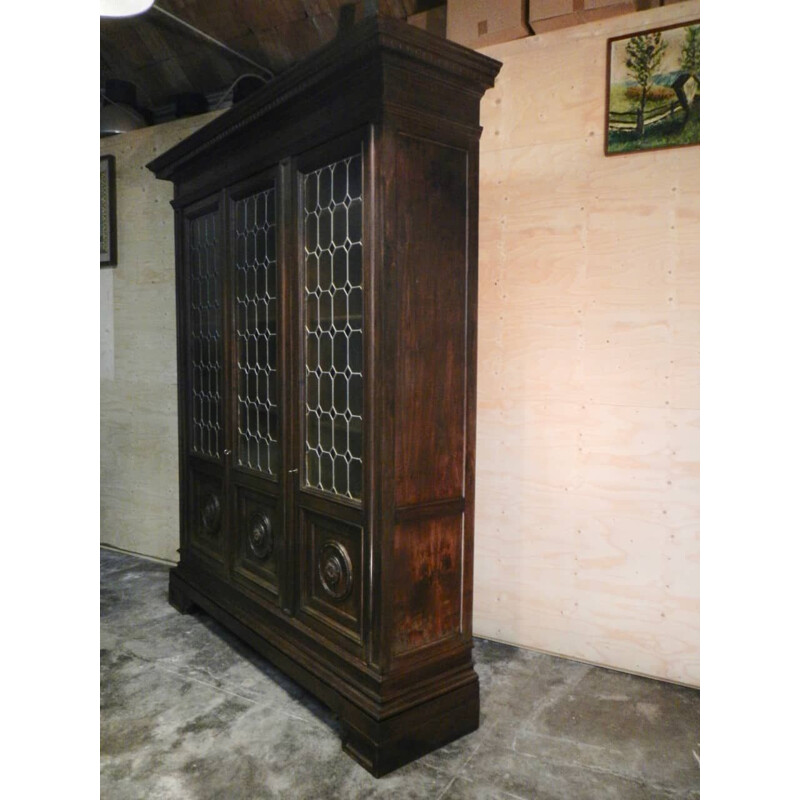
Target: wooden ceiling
<point>163,58</point>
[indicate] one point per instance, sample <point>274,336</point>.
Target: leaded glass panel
<point>334,331</point>
<point>255,236</point>
<point>205,347</point>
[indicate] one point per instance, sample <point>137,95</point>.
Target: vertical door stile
<point>182,326</point>
<point>286,281</point>
<point>229,344</point>
<point>371,360</point>
<point>296,282</point>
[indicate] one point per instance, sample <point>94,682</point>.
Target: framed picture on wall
<point>108,213</point>
<point>653,89</point>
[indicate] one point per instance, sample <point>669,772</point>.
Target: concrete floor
<point>189,711</point>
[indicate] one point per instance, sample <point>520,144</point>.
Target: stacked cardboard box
<point>477,23</point>
<point>550,15</point>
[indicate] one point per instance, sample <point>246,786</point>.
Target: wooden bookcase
<point>326,273</point>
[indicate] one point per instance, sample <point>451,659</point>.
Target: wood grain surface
<point>587,510</point>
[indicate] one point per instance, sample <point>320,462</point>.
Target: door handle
<point>227,452</point>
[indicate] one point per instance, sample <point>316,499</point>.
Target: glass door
<point>203,393</point>
<point>329,501</point>
<point>257,409</point>
<point>334,328</point>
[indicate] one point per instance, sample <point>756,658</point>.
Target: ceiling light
<point>123,8</point>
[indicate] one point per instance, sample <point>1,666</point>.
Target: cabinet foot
<point>178,598</point>
<point>381,747</point>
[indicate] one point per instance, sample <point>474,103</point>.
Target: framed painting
<point>653,89</point>
<point>108,213</point>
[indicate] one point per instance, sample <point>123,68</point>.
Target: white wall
<point>138,383</point>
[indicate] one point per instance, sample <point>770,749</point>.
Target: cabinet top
<point>375,36</point>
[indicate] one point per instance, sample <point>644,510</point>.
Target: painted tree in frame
<point>653,89</point>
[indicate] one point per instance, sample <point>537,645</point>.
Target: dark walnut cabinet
<point>326,248</point>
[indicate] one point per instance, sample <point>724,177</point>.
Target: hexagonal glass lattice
<point>332,199</point>
<point>205,323</point>
<point>256,266</point>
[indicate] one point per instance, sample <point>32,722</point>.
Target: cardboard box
<point>543,19</point>
<point>545,9</point>
<point>590,4</point>
<point>434,21</point>
<point>477,23</point>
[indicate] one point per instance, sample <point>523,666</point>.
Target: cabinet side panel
<point>431,356</point>
<point>427,569</point>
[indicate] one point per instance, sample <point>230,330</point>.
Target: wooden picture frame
<point>108,212</point>
<point>653,89</point>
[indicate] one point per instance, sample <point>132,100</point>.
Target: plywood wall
<point>587,519</point>
<point>138,378</point>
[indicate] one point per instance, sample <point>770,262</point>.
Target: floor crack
<point>193,679</point>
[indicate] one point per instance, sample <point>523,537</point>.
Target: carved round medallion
<point>260,539</point>
<point>210,513</point>
<point>335,570</point>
